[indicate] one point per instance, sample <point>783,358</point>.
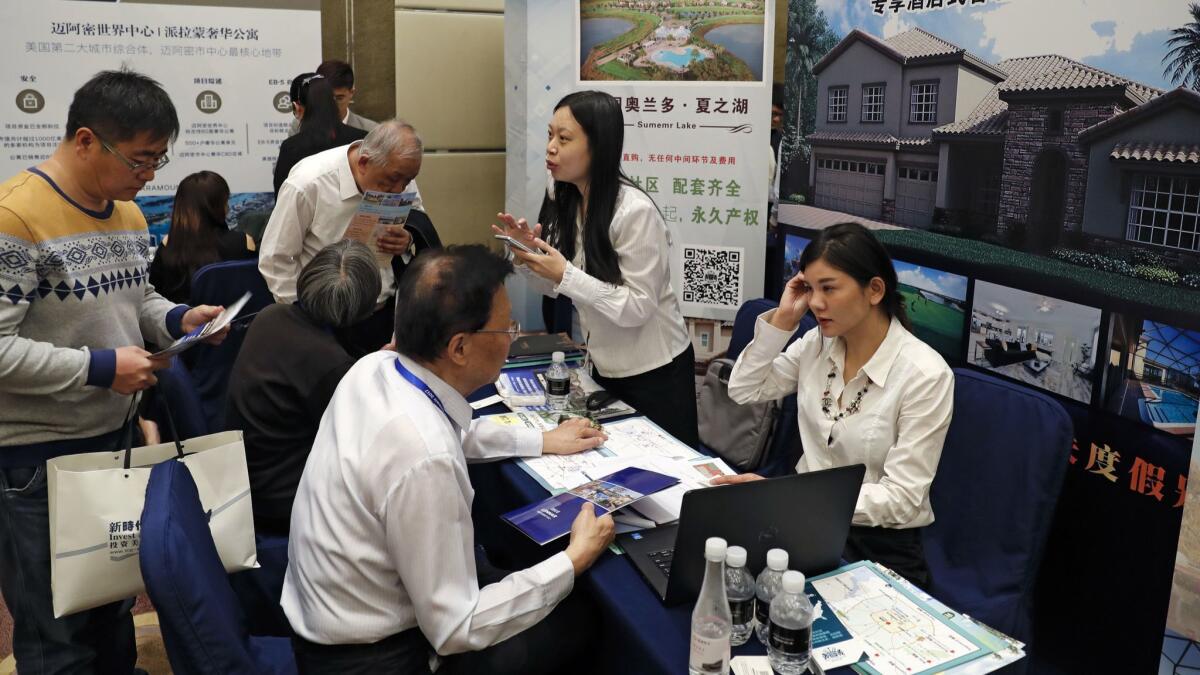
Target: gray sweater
<point>73,288</point>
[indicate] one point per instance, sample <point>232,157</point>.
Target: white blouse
<point>897,432</point>
<point>637,326</point>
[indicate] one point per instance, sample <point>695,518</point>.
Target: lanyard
<point>423,388</point>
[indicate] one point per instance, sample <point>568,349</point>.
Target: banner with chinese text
<point>694,85</point>
<point>226,69</point>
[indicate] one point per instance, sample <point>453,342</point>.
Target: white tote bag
<point>96,501</point>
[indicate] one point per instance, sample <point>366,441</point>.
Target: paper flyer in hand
<point>551,518</point>
<point>376,212</point>
<point>200,333</point>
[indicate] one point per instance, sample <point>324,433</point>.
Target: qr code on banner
<point>712,275</point>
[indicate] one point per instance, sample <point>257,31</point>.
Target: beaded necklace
<point>827,404</point>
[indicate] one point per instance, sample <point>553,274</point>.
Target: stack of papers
<point>750,665</point>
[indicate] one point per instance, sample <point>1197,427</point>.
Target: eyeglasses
<point>514,330</point>
<point>136,167</point>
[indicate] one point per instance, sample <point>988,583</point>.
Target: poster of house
<point>1034,339</point>
<point>1066,128</point>
<point>671,40</point>
<point>1153,374</point>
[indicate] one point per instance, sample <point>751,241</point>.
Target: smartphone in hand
<point>515,243</point>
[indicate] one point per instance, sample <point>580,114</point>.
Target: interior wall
<point>455,99</point>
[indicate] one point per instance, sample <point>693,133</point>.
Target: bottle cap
<point>793,582</point>
<point>735,556</point>
<point>557,357</point>
<point>777,559</point>
<point>714,549</point>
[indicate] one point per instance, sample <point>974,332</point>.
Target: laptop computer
<point>806,514</point>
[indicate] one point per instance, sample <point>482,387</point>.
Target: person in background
<point>70,363</point>
<point>320,127</point>
<point>383,568</point>
<point>199,236</point>
<point>297,106</point>
<point>607,248</point>
<point>341,77</point>
<point>773,268</point>
<point>867,391</point>
<point>286,372</point>
<point>314,208</point>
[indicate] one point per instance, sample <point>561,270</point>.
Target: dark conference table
<point>638,634</point>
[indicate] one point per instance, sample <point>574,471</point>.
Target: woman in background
<point>199,236</point>
<point>607,248</point>
<point>321,126</point>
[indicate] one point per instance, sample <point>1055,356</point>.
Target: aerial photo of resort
<point>1153,374</point>
<point>937,306</point>
<point>1035,339</point>
<point>708,40</point>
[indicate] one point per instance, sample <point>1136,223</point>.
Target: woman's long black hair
<point>852,248</point>
<point>600,117</point>
<point>197,220</point>
<point>321,117</point>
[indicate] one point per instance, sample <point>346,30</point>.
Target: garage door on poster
<point>850,186</point>
<point>916,189</point>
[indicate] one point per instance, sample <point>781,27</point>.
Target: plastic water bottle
<point>790,647</point>
<point>769,581</point>
<point>739,588</point>
<point>558,382</point>
<point>710,620</point>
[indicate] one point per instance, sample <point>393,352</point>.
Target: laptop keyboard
<point>662,560</point>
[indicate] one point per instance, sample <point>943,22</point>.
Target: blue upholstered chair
<point>997,485</point>
<point>202,626</point>
<point>784,449</point>
<point>221,284</point>
<point>178,398</point>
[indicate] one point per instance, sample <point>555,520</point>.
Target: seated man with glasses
<point>76,311</point>
<point>383,566</point>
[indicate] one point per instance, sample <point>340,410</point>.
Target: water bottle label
<point>742,611</point>
<point>762,611</point>
<point>791,640</point>
<point>558,387</point>
<point>708,655</point>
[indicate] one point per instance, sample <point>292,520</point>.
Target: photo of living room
<point>1036,339</point>
<point>1153,374</point>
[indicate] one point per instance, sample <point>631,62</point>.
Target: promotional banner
<point>226,69</point>
<point>693,81</point>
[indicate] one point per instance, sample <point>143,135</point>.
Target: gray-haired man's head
<point>389,158</point>
<point>340,285</point>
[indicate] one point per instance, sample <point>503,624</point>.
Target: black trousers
<point>666,395</point>
<point>553,645</point>
<point>899,550</point>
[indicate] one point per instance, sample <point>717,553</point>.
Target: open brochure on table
<point>664,507</point>
<point>631,437</point>
<point>376,212</point>
<point>551,518</point>
<point>201,333</point>
<point>901,633</point>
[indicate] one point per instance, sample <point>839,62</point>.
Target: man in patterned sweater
<point>76,310</point>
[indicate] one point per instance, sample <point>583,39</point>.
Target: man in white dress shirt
<point>383,567</point>
<point>315,205</point>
